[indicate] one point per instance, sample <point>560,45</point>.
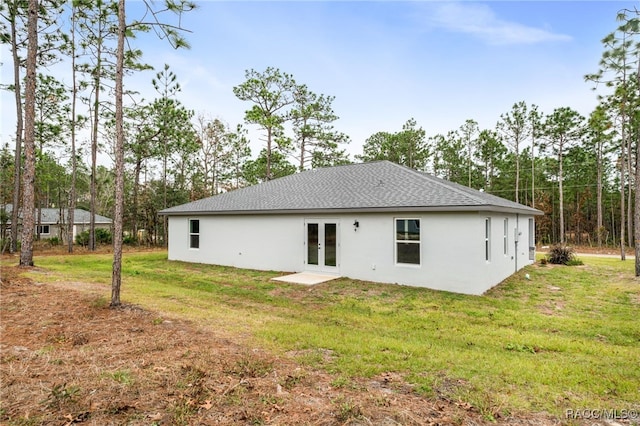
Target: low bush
<point>561,254</point>
<point>129,240</point>
<point>103,236</point>
<point>82,239</point>
<point>54,241</point>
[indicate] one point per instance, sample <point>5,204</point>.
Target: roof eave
<point>471,208</point>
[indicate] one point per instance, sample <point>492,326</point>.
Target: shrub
<point>561,254</point>
<point>129,240</point>
<point>54,241</point>
<point>103,236</point>
<point>82,239</point>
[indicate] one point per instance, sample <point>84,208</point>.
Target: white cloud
<point>479,20</point>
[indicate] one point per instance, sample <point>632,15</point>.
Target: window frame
<point>41,228</point>
<point>506,236</point>
<point>532,239</point>
<point>487,239</point>
<point>397,241</point>
<point>194,234</point>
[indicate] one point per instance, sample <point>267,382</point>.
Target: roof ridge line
<point>442,183</point>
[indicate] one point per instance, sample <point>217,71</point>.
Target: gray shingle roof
<point>365,187</point>
<point>52,216</point>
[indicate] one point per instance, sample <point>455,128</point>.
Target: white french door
<point>321,245</point>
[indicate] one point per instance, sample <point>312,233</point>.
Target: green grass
<point>567,338</point>
<point>123,377</point>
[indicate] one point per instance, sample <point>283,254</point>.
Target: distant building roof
<point>52,216</point>
<point>366,187</point>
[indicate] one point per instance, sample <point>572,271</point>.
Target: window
<point>487,239</point>
<point>42,229</point>
<point>532,240</point>
<point>312,243</point>
<point>506,238</point>
<point>194,233</point>
<point>330,246</point>
<point>408,241</point>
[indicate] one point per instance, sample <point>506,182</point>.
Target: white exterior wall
<point>452,251</point>
<point>452,246</point>
<point>253,242</point>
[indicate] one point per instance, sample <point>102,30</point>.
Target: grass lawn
<point>567,338</point>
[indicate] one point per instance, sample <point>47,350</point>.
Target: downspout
<point>516,238</point>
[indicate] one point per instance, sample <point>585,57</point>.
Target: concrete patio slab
<point>308,278</point>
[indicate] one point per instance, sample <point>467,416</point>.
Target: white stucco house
<point>375,221</point>
<point>52,222</point>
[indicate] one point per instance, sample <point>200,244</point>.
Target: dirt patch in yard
<point>67,358</point>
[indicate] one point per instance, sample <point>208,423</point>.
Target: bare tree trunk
<point>28,183</point>
<point>636,212</point>
<point>164,196</point>
<point>561,195</point>
<point>116,276</point>
<point>613,223</point>
<point>74,163</point>
<point>468,161</point>
<point>19,127</point>
<point>518,175</point>
<point>237,172</point>
<point>214,173</point>
<point>636,209</point>
<point>268,168</point>
<point>61,228</point>
<point>38,196</point>
<point>533,170</point>
<point>136,185</point>
<point>622,208</point>
<point>94,154</point>
<point>599,193</point>
<point>623,133</point>
<point>631,174</point>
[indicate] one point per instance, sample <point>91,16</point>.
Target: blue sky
<point>386,61</point>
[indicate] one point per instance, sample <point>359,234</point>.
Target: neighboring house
<point>376,221</point>
<point>53,221</point>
